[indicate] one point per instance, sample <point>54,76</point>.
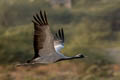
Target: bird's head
<point>28,61</point>
<point>80,56</point>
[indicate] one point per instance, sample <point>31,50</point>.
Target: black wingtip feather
<point>60,34</point>
<point>57,36</point>
<point>40,19</point>
<point>45,17</point>
<point>36,19</point>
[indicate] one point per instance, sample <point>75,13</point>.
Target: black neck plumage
<point>68,58</point>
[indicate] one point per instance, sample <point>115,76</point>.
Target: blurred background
<point>92,27</point>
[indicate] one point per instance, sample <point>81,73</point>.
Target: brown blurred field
<point>61,71</point>
<point>92,27</point>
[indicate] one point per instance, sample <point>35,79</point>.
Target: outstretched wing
<point>43,39</point>
<point>59,40</point>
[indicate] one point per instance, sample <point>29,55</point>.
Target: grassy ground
<point>64,70</point>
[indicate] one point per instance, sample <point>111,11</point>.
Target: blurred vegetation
<point>91,27</point>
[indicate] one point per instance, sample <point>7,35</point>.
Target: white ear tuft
<point>78,55</point>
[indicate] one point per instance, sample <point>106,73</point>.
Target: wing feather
<point>59,40</point>
<point>43,39</point>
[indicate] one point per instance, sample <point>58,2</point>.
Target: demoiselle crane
<point>47,46</point>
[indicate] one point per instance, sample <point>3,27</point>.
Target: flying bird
<point>47,46</point>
